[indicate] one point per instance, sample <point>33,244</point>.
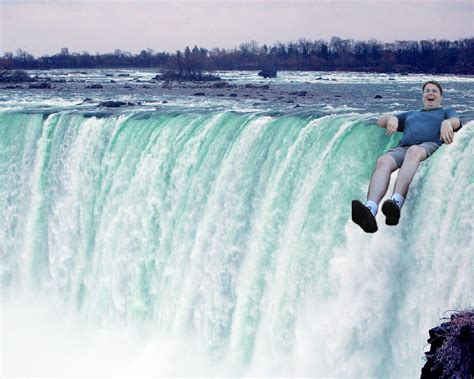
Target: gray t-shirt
<point>423,126</point>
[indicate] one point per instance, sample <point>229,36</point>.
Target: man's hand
<point>392,125</point>
<point>447,132</point>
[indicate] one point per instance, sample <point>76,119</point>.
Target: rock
<point>164,102</point>
<point>199,94</point>
<point>451,351</point>
<point>115,104</point>
<point>270,73</point>
<point>94,86</point>
<point>220,85</point>
<point>298,93</point>
<point>377,97</point>
<point>42,85</point>
<point>297,106</point>
<point>264,87</point>
<point>87,100</point>
<point>15,76</point>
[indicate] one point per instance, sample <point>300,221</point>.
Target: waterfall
<point>228,235</point>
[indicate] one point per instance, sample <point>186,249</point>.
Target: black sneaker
<point>391,210</point>
<point>363,217</point>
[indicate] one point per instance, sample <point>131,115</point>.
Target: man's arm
<point>389,122</point>
<point>455,122</point>
<point>448,127</point>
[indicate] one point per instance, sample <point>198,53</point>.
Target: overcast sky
<point>45,26</point>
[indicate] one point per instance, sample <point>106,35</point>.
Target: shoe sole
<point>391,212</point>
<point>359,216</point>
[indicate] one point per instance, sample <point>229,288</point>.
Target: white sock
<point>399,199</point>
<point>373,206</point>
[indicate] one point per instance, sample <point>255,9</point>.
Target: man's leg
<point>391,208</point>
<point>364,214</point>
<point>381,178</point>
<point>414,156</point>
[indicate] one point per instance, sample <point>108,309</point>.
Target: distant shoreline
<point>158,70</point>
<point>403,57</point>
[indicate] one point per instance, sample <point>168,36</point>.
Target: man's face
<point>431,97</point>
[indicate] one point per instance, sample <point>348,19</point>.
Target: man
<point>423,133</point>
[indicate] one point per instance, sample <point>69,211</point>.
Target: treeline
<point>337,54</point>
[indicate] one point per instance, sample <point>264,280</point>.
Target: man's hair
<point>434,82</point>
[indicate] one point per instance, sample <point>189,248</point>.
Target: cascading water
<point>227,236</point>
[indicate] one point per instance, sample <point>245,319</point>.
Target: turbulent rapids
<point>230,232</point>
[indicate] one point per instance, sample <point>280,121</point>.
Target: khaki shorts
<point>398,153</point>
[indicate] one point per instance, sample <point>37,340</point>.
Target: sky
<point>45,26</point>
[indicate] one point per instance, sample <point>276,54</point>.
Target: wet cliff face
<point>452,348</point>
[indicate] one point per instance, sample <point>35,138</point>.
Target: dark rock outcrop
<point>115,104</point>
<point>451,353</point>
<point>95,86</point>
<point>264,87</point>
<point>15,76</point>
<point>221,84</point>
<point>171,75</point>
<point>43,85</point>
<point>298,93</point>
<point>87,100</point>
<point>268,73</point>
